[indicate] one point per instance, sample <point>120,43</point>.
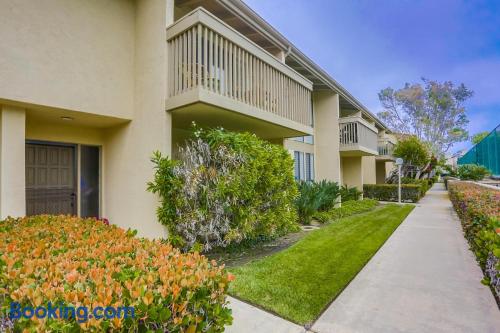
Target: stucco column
<point>352,171</point>
<point>326,136</point>
<point>369,170</point>
<point>381,172</point>
<point>129,148</point>
<point>12,165</point>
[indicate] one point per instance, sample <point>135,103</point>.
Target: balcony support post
<point>326,136</point>
<point>352,171</point>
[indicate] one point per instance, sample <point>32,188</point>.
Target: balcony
<point>357,137</point>
<point>385,150</point>
<point>218,77</point>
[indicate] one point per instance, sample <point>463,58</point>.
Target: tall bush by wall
<point>479,211</point>
<point>226,187</point>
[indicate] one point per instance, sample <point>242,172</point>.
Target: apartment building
<point>89,89</point>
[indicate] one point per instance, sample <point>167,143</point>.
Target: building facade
<point>89,89</point>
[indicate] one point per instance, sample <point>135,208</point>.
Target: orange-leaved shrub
<point>83,262</point>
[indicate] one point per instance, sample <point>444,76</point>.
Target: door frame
<point>99,176</point>
<point>77,168</point>
<point>75,163</point>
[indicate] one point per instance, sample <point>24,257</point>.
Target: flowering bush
<point>479,211</point>
<point>226,187</point>
<point>84,263</point>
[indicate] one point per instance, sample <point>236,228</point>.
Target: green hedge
<point>347,208</point>
<point>472,172</point>
<point>389,192</point>
<point>425,184</point>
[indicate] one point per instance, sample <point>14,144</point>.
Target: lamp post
<point>399,163</point>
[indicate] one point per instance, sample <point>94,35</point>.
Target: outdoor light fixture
<point>67,118</point>
<point>399,163</point>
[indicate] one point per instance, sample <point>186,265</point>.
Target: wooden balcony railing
<point>205,53</point>
<point>357,134</point>
<point>385,147</point>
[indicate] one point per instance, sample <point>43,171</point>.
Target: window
<point>309,167</point>
<point>303,166</point>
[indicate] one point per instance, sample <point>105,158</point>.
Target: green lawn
<point>299,282</point>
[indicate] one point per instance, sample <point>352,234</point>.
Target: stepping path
<point>424,279</point>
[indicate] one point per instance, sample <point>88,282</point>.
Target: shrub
<point>226,187</point>
<point>349,193</point>
<point>479,211</point>
<point>82,262</point>
<point>472,172</point>
<point>389,192</point>
<point>347,208</point>
<point>425,184</point>
<point>315,197</point>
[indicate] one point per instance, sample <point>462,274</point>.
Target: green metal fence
<point>486,153</point>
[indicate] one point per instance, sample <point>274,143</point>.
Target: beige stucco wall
<point>326,136</point>
<point>352,171</point>
<point>105,58</point>
<point>65,133</point>
<point>383,171</point>
<point>369,170</point>
<point>380,172</point>
<point>70,54</point>
<point>298,146</point>
<point>130,146</point>
<point>12,175</point>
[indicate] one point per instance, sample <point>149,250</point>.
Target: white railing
<point>385,147</point>
<point>357,133</point>
<point>205,53</point>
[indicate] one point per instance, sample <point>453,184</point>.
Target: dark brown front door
<point>50,179</point>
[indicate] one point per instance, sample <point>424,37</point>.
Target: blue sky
<point>368,45</point>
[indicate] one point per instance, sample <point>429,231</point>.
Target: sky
<point>368,45</point>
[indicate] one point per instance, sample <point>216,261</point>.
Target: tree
<point>412,151</point>
<point>478,137</point>
<point>416,161</point>
<point>431,111</point>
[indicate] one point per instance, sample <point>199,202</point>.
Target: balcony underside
<point>357,150</point>
<point>207,109</point>
<point>385,158</point>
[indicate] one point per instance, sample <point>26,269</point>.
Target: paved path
<point>424,279</point>
<point>249,319</point>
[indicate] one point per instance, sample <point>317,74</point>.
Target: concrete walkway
<point>424,279</point>
<point>249,319</point>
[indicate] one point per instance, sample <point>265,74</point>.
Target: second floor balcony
<point>357,137</point>
<point>213,70</point>
<point>385,150</point>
